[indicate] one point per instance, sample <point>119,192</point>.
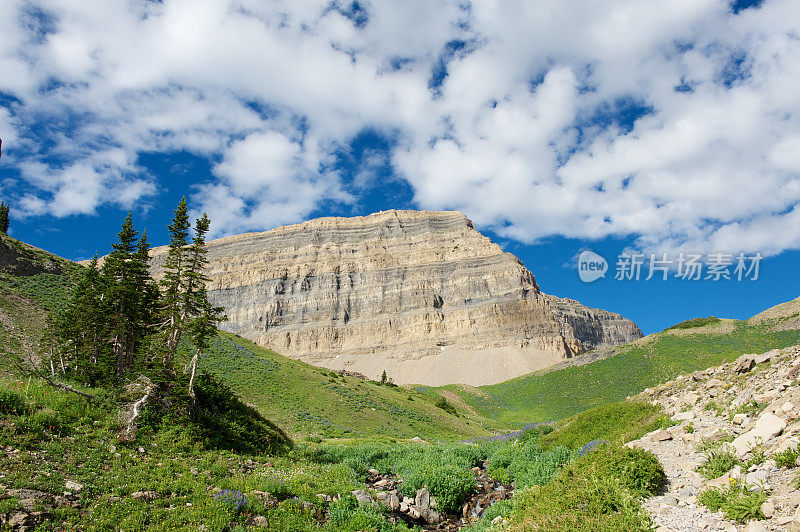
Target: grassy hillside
<point>307,400</point>
<point>32,282</point>
<point>646,362</point>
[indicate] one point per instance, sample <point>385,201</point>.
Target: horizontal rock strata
<point>420,294</point>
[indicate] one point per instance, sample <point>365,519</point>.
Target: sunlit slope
<point>306,400</point>
<point>656,358</point>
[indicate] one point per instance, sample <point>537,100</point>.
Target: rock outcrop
<point>420,294</point>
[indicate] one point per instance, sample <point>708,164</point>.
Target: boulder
<point>73,486</point>
<point>363,497</point>
<point>744,364</point>
<point>768,508</point>
<point>690,399</point>
<point>767,427</point>
<point>422,500</point>
<point>739,419</point>
<point>763,357</point>
<point>743,398</point>
<point>661,435</point>
<point>394,502</point>
<point>146,496</point>
<point>755,526</point>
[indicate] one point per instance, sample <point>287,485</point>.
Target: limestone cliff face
<point>420,294</point>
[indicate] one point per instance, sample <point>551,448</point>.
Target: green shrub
<point>11,403</point>
<point>580,499</point>
<point>637,469</point>
<point>717,462</point>
<point>787,458</point>
<point>446,406</point>
<point>346,516</point>
<point>449,483</point>
<point>695,322</point>
<point>736,501</point>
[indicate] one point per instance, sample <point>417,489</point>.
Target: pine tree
<point>123,274</point>
<point>4,209</point>
<point>173,283</point>
<point>201,317</point>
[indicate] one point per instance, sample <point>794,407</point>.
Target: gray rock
<point>146,496</point>
<point>744,364</point>
<point>755,526</point>
<point>661,435</point>
<point>768,508</point>
<point>350,292</point>
<point>363,497</point>
<point>73,486</point>
<point>767,427</point>
<point>422,500</point>
<point>394,502</point>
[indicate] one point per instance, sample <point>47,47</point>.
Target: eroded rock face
<point>420,294</point>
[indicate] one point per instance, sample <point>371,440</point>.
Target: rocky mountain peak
<point>420,294</point>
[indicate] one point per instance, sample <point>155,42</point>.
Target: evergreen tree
<point>173,283</point>
<point>198,313</point>
<point>4,208</point>
<point>124,275</point>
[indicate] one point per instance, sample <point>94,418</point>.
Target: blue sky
<point>654,127</point>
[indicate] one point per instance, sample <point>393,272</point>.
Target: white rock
<point>768,508</point>
<point>690,398</point>
<point>739,419</point>
<point>661,435</point>
<point>755,526</point>
<point>769,355</point>
<point>787,407</point>
<point>683,416</point>
<point>767,427</point>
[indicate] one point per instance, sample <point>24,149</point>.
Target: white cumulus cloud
<point>676,123</point>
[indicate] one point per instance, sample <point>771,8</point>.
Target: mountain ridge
<point>420,294</point>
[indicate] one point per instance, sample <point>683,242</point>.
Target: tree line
<point>120,320</point>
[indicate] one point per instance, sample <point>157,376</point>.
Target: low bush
<point>637,469</point>
<point>446,406</point>
<point>787,458</point>
<point>695,322</point>
<point>218,418</point>
<point>736,501</point>
<point>12,403</point>
<point>346,515</point>
<point>451,484</point>
<point>717,462</point>
<point>585,497</point>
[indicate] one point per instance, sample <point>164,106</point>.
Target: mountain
<point>420,294</point>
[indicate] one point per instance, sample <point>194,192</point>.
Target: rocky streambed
<point>423,509</point>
